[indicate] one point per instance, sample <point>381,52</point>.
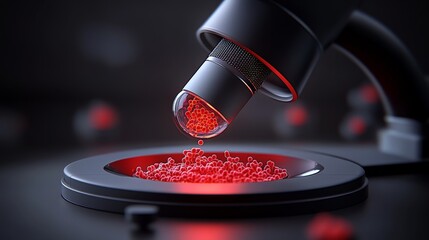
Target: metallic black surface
<point>220,88</point>
<point>242,61</point>
<point>270,32</point>
<point>339,184</point>
<point>324,18</point>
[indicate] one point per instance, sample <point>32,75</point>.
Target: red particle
<point>296,115</point>
<point>200,142</point>
<point>357,125</point>
<point>201,119</point>
<point>197,168</point>
<point>369,93</point>
<point>103,117</point>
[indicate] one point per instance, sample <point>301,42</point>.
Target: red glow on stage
<point>209,189</point>
<point>327,227</point>
<point>208,230</point>
<point>103,117</point>
<point>197,168</point>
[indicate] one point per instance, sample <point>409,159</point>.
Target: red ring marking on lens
<point>272,68</point>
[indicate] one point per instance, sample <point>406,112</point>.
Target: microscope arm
<point>399,81</point>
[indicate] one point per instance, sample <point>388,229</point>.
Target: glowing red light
<point>207,230</point>
<point>200,142</point>
<point>327,227</point>
<point>369,94</point>
<point>197,168</point>
<point>296,116</point>
<point>357,125</point>
<point>103,117</point>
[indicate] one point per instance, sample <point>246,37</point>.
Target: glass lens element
<point>196,117</point>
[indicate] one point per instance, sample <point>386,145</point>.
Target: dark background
<point>61,58</point>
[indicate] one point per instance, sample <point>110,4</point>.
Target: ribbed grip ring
<point>250,67</point>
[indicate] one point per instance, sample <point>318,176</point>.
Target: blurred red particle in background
<point>296,115</point>
<point>325,226</point>
<point>369,93</point>
<point>103,117</point>
<point>357,125</point>
<point>200,142</point>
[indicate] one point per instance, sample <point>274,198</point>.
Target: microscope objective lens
<point>196,117</point>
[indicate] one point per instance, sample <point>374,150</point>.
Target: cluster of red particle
<point>200,119</point>
<point>197,168</point>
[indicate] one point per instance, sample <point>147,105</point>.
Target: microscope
<point>273,46</point>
